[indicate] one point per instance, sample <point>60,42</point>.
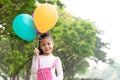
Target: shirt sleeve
<point>34,67</point>
<point>59,70</point>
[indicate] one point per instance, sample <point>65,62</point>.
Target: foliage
<point>54,2</point>
<point>99,53</point>
<point>11,8</point>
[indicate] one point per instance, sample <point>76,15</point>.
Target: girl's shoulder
<point>56,57</point>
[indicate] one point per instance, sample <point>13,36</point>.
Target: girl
<point>45,64</point>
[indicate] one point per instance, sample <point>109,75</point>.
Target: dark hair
<point>42,36</point>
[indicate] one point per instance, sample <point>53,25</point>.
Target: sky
<point>105,14</point>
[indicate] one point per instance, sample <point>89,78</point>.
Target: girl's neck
<point>47,54</point>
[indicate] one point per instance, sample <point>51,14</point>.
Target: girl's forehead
<point>46,39</point>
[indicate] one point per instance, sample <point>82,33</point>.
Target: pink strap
<point>55,62</point>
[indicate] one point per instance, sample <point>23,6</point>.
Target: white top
<point>47,61</point>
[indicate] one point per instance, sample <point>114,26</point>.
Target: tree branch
<point>4,33</point>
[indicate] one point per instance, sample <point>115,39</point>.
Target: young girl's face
<point>46,45</point>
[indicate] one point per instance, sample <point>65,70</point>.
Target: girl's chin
<point>47,53</point>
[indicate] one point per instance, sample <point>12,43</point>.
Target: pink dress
<point>45,73</point>
<point>47,65</point>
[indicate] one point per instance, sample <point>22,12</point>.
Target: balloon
<point>45,17</point>
<point>24,28</point>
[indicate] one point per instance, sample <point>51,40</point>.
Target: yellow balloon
<point>45,17</point>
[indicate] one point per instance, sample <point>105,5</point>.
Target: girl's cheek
<point>41,47</point>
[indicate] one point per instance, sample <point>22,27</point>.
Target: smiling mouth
<point>47,49</point>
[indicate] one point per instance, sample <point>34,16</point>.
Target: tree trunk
<point>27,75</point>
<point>15,77</point>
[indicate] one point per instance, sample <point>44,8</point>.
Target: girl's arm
<point>59,70</point>
<point>34,67</point>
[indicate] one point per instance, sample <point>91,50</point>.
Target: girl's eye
<point>48,43</point>
<point>42,44</point>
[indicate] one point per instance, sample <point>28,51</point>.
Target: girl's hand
<point>36,52</point>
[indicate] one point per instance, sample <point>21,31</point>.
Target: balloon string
<point>36,45</point>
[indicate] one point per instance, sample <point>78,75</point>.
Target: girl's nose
<point>46,46</point>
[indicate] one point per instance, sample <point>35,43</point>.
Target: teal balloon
<point>23,26</point>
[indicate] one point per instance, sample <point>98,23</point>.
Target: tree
<point>100,54</point>
<point>71,32</point>
<point>75,40</point>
